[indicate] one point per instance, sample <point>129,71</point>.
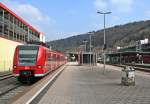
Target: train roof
<point>42,47</point>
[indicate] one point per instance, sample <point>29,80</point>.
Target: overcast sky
<point>63,18</point>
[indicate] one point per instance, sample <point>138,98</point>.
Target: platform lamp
<point>104,13</point>
<point>90,34</point>
<point>81,46</point>
<point>85,44</point>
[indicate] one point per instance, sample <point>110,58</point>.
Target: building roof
<point>18,17</point>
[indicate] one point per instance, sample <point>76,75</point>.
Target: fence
<point>6,65</point>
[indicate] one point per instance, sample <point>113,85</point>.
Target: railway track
<point>9,87</point>
<point>145,69</point>
<point>8,90</point>
<point>5,76</point>
<point>10,93</point>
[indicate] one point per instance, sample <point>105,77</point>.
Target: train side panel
<point>40,70</point>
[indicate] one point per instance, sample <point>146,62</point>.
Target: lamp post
<point>81,46</point>
<point>84,49</point>
<point>90,33</point>
<point>90,50</point>
<point>104,13</point>
<point>85,44</point>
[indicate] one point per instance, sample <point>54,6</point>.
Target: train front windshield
<point>27,55</point>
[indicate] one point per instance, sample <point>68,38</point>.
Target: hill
<point>120,35</point>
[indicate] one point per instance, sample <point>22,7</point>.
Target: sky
<point>59,19</point>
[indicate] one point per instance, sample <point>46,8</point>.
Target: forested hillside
<point>120,35</point>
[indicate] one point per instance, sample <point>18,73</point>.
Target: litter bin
<point>128,76</point>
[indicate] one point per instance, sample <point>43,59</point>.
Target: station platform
<point>5,73</point>
<point>88,85</point>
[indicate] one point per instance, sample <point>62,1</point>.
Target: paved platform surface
<point>86,85</point>
<point>5,73</point>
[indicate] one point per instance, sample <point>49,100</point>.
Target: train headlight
<point>15,66</point>
<point>39,66</point>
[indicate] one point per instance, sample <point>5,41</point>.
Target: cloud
<point>118,5</point>
<point>100,4</point>
<point>147,15</point>
<point>122,5</point>
<point>31,14</point>
<point>29,11</point>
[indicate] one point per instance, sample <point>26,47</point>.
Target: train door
<point>49,61</point>
<point>55,62</point>
<point>61,60</point>
<point>46,62</point>
<point>58,60</point>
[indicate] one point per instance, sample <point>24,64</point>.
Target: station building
<point>14,31</point>
<point>136,54</point>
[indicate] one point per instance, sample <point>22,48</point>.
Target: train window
<point>50,59</point>
<point>27,55</point>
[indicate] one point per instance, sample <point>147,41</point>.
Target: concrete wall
<point>7,48</point>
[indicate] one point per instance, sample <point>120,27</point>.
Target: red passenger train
<point>34,61</point>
